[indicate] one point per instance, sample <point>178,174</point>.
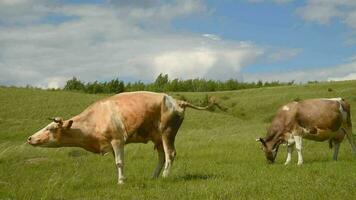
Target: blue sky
<point>44,43</point>
<point>276,25</point>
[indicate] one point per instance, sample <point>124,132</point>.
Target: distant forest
<point>164,84</point>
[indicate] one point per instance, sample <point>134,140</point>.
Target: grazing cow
<point>109,124</point>
<point>314,119</point>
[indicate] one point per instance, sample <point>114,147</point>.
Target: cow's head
<point>270,147</point>
<point>50,135</point>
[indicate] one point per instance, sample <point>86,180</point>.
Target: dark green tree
<point>74,84</point>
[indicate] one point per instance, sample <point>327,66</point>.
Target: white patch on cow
<point>342,111</point>
<point>172,105</point>
<point>170,102</point>
<point>290,140</point>
<point>305,131</point>
<point>289,154</point>
<point>334,99</point>
<point>298,147</point>
<point>286,108</point>
<point>51,138</point>
<point>117,121</point>
<point>51,127</point>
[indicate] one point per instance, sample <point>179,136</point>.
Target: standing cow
<point>314,119</point>
<point>109,124</point>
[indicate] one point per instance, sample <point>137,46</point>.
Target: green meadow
<point>217,155</point>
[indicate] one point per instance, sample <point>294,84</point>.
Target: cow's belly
<point>320,135</point>
<point>137,138</point>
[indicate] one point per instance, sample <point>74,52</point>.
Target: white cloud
<point>102,42</point>
<point>323,11</point>
<point>274,1</point>
<point>351,76</point>
<point>351,59</point>
<point>131,40</point>
<point>283,1</point>
<point>212,36</point>
<point>341,72</point>
<point>23,11</point>
<point>351,19</point>
<point>207,62</point>
<point>284,54</point>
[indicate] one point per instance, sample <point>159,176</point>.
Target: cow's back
<point>320,113</point>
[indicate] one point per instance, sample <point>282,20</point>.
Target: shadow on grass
<point>77,153</point>
<point>191,177</point>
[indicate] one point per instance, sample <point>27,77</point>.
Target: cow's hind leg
<point>118,148</point>
<point>161,159</point>
<point>170,154</point>
<point>336,149</point>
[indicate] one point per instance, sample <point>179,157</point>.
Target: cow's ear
<point>69,124</point>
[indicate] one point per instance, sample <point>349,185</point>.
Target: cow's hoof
<point>286,163</point>
<point>121,181</point>
<point>165,174</point>
<point>300,163</point>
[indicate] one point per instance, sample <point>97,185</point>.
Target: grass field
<point>217,156</point>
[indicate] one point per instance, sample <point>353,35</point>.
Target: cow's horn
<point>262,141</point>
<point>56,119</point>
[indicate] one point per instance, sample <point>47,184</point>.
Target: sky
<point>44,43</point>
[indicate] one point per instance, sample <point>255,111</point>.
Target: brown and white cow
<point>313,119</point>
<point>109,124</point>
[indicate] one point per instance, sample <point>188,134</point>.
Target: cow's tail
<point>212,103</point>
<point>346,108</point>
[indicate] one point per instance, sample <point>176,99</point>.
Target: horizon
<point>45,43</point>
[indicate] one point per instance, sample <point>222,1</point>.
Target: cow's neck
<point>80,135</point>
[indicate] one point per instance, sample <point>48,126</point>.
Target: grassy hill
<point>217,156</point>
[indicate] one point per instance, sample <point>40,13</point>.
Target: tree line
<point>163,84</point>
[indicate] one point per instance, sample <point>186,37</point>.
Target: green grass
<point>217,156</point>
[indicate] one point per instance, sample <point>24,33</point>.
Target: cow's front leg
<point>161,159</point>
<point>118,148</point>
<point>289,153</point>
<point>298,147</point>
<point>170,153</point>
